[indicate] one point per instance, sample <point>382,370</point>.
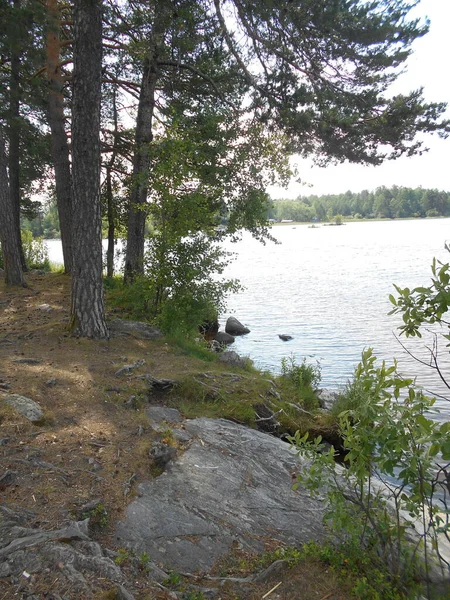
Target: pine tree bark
<point>14,142</point>
<point>59,143</point>
<point>87,305</point>
<point>8,237</point>
<point>134,257</point>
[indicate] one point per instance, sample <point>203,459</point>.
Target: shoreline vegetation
<point>158,145</point>
<point>34,324</point>
<point>382,204</point>
<point>317,224</point>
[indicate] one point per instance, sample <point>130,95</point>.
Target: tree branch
<point>231,46</point>
<point>175,64</point>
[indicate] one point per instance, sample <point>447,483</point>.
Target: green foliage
<point>302,376</point>
<point>36,251</point>
<point>123,555</point>
<point>390,203</point>
<point>98,517</point>
<point>192,344</point>
<point>144,559</point>
<point>193,596</point>
<point>390,433</point>
<point>367,579</point>
<point>350,398</point>
<point>46,223</point>
<point>183,287</point>
<point>173,579</point>
<point>424,305</point>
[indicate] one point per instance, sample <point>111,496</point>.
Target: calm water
<point>328,288</point>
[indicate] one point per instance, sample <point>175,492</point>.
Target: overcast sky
<point>429,67</point>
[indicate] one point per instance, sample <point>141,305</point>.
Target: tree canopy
<point>202,104</point>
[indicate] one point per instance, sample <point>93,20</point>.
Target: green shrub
<point>388,434</point>
<point>302,376</point>
<point>35,251</point>
<point>350,398</point>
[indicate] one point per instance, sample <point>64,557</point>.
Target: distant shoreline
<point>350,220</point>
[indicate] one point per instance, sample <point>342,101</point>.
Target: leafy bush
<point>424,305</point>
<point>182,275</point>
<point>386,438</point>
<point>302,376</point>
<point>35,251</point>
<point>350,398</point>
<point>356,568</point>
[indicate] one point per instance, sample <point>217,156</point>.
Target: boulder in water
<point>235,327</point>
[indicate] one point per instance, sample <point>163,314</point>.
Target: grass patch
<point>238,396</point>
<point>342,571</point>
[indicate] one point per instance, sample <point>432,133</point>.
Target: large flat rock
<point>233,485</point>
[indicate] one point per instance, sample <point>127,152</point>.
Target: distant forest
<point>388,203</point>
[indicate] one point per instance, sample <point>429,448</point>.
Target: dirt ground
<point>94,439</point>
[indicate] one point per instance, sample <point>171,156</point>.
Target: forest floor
<point>90,444</point>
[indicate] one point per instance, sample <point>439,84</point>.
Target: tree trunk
<point>14,143</point>
<point>8,237</point>
<point>134,258</point>
<point>87,306</point>
<point>59,143</point>
<point>111,226</point>
<point>109,195</point>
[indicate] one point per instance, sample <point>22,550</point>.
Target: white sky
<point>429,67</point>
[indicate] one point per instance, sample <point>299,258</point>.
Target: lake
<point>328,288</point>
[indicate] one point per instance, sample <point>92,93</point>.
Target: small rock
<point>51,382</point>
<point>327,398</point>
<point>275,570</point>
<point>127,369</point>
<point>27,361</point>
<point>25,406</point>
<point>215,346</point>
<point>96,466</point>
<point>123,594</point>
<point>232,358</point>
<point>45,307</point>
<point>4,441</point>
<point>235,327</point>
<point>158,414</point>
<point>91,505</point>
<point>5,386</point>
<point>8,478</point>
<point>162,454</point>
<point>284,337</point>
<point>135,328</point>
<point>224,338</point>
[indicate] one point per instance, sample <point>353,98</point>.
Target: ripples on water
<point>328,287</point>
